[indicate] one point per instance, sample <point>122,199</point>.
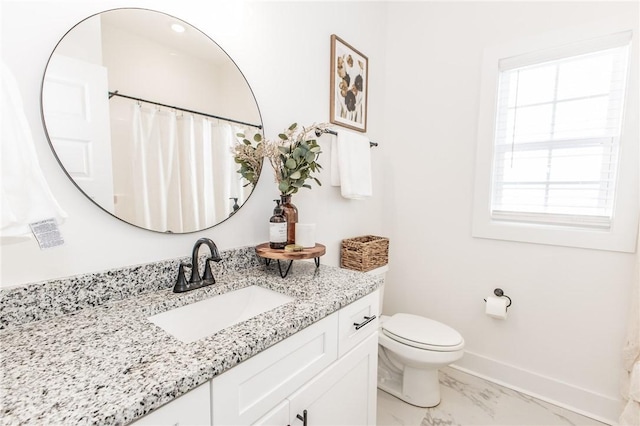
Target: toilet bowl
<point>411,349</point>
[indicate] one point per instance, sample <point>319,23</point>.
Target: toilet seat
<point>422,333</point>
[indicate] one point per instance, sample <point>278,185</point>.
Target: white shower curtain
<point>228,183</point>
<point>183,171</point>
<point>190,185</point>
<point>155,169</point>
<point>631,353</point>
<point>631,356</point>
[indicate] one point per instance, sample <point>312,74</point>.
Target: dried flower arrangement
<point>293,157</point>
<point>249,156</point>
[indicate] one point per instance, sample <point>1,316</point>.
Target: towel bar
<point>333,132</point>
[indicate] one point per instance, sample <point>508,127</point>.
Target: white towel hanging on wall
<point>26,197</point>
<point>351,165</point>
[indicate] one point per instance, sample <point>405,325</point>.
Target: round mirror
<point>142,111</point>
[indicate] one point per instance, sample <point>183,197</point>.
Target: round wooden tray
<point>263,250</point>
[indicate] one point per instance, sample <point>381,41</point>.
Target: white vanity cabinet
<point>192,408</point>
<point>344,394</point>
<point>327,370</point>
<point>325,374</point>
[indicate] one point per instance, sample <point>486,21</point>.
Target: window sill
<point>615,239</point>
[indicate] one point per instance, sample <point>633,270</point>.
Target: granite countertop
<point>109,365</point>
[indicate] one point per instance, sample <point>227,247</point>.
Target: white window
<point>550,165</point>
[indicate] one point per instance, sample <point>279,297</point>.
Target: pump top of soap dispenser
<point>278,209</point>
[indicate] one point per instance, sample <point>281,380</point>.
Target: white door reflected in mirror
<point>78,125</point>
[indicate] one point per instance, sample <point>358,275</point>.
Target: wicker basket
<point>364,253</point>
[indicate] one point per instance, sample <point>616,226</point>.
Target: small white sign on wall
<point>47,233</point>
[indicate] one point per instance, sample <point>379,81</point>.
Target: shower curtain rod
<point>112,94</point>
<point>333,132</point>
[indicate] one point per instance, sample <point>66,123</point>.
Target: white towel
<point>351,165</point>
<point>26,197</point>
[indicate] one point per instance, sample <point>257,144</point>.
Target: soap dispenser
<point>278,228</point>
<point>235,206</point>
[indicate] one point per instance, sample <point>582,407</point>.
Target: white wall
<point>84,43</point>
<point>283,50</point>
<point>565,329</point>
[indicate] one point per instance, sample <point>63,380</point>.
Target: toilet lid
<point>423,333</point>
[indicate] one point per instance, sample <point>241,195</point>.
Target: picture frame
<point>348,86</point>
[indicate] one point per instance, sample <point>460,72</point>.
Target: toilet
<point>411,350</point>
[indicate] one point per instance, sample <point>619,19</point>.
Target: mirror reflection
<point>142,111</point>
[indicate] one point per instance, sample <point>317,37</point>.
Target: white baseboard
<point>588,403</point>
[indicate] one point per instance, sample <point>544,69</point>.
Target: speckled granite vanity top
<point>107,364</point>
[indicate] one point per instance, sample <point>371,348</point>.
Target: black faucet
<point>196,281</point>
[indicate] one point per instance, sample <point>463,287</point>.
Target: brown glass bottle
<point>291,214</point>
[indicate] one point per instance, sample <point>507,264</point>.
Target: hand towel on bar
<point>351,165</point>
<point>26,197</point>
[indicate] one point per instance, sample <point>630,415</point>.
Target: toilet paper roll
<point>496,307</point>
<point>306,234</point>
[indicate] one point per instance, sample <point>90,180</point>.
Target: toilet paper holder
<point>498,292</point>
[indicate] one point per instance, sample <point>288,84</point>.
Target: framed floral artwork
<point>349,80</point>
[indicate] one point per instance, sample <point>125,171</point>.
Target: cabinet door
<point>246,393</point>
<point>192,408</point>
<point>279,416</point>
<point>344,394</point>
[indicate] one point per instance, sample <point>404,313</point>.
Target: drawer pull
<point>303,417</point>
<point>366,321</point>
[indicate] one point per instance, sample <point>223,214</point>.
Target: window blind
<point>557,134</point>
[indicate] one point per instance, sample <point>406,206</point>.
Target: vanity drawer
<point>243,394</point>
<point>357,321</point>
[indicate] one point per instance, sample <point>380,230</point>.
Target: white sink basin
<point>206,317</point>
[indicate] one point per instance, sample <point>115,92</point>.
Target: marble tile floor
<point>471,401</point>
